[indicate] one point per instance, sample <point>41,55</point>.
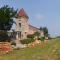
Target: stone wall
<point>5,46</point>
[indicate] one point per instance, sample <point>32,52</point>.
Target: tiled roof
<point>35,29</point>
<point>22,13</point>
<point>30,26</point>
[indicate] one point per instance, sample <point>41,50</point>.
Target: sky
<point>42,13</point>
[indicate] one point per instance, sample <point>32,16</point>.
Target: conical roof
<point>22,13</point>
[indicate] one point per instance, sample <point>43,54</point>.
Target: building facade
<point>23,28</point>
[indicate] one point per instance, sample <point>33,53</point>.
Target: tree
<point>45,30</point>
<point>6,21</point>
<point>6,18</point>
<point>37,34</point>
<point>41,28</point>
<point>45,33</point>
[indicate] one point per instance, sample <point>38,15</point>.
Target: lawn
<point>44,51</point>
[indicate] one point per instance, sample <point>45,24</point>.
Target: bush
<point>30,36</point>
<point>26,41</point>
<point>4,36</point>
<point>42,38</point>
<point>37,34</point>
<point>13,43</point>
<point>39,38</point>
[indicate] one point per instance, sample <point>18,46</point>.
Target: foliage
<point>42,38</point>
<point>45,30</point>
<point>30,36</point>
<point>6,21</point>
<point>37,34</point>
<point>58,37</point>
<point>13,43</point>
<point>38,38</point>
<point>41,28</point>
<point>26,41</point>
<point>6,17</point>
<point>4,36</point>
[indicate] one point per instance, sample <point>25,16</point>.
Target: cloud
<point>39,16</point>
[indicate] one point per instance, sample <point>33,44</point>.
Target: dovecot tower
<point>22,26</point>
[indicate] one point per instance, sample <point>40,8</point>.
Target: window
<point>20,24</point>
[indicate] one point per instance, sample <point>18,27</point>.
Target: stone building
<point>23,28</point>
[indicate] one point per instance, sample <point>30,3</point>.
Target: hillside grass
<point>43,51</point>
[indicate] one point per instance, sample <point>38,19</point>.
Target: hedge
<point>26,41</point>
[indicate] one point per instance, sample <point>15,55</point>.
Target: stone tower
<point>22,26</point>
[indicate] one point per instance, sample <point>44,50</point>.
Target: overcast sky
<point>40,12</point>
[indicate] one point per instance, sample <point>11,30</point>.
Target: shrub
<point>37,34</point>
<point>4,36</point>
<point>13,43</point>
<point>30,36</point>
<point>42,38</point>
<point>39,38</point>
<point>26,41</point>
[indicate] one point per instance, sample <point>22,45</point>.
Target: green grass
<point>44,51</point>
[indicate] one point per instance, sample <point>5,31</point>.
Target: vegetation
<point>29,39</point>
<point>41,29</point>
<point>37,34</point>
<point>4,37</point>
<point>45,30</point>
<point>13,43</point>
<point>26,41</point>
<point>6,17</point>
<point>50,51</point>
<point>6,20</point>
<point>30,36</point>
<point>42,38</point>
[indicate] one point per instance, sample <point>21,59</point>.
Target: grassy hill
<point>44,51</point>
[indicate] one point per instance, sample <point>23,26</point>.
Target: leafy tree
<point>41,28</point>
<point>6,21</point>
<point>45,30</point>
<point>6,18</point>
